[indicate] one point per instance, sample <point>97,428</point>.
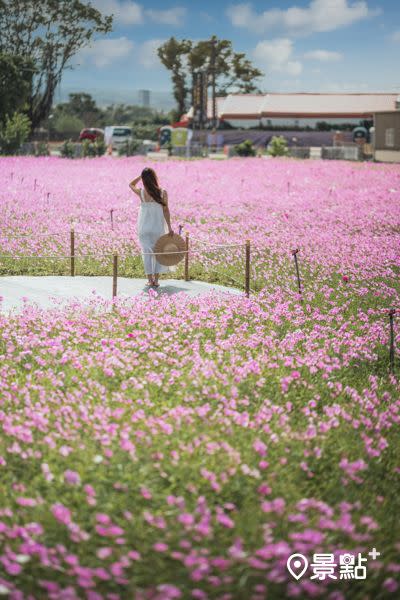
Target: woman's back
<point>151,215</point>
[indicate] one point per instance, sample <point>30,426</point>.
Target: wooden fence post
<point>115,275</point>
<point>295,252</point>
<point>187,257</point>
<point>247,269</point>
<point>72,253</point>
<point>392,312</point>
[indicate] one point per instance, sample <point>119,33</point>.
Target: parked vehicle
<point>117,135</point>
<point>91,134</point>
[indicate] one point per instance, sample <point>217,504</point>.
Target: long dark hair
<point>151,185</point>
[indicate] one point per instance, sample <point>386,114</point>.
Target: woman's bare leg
<point>155,279</point>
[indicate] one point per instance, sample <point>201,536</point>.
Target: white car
<point>117,135</point>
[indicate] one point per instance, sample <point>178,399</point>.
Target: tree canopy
<point>49,33</point>
<point>233,71</point>
<point>16,75</point>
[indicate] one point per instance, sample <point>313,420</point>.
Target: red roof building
<point>301,106</point>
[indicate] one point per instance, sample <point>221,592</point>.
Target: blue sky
<point>301,45</point>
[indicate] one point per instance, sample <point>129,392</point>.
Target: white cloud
<point>323,55</point>
<point>319,15</point>
<point>276,55</point>
<point>104,52</point>
<point>147,53</point>
<point>395,37</point>
<point>171,16</point>
<point>126,12</point>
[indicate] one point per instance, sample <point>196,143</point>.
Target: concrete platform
<point>48,292</point>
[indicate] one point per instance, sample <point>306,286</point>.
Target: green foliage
<point>69,118</point>
<point>88,149</point>
<point>67,149</point>
<point>100,147</point>
<point>51,33</point>
<point>172,55</point>
<point>42,149</point>
<point>14,132</point>
<point>146,132</point>
<point>92,149</point>
<point>129,148</point>
<point>121,114</point>
<point>15,81</point>
<point>67,124</point>
<point>278,146</point>
<point>84,107</point>
<point>246,148</point>
<point>233,71</point>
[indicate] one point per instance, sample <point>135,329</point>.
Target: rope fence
<point>187,252</point>
<point>72,256</point>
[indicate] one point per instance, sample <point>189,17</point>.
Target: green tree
<point>80,106</point>
<point>16,75</point>
<point>49,32</point>
<point>14,132</point>
<point>173,54</point>
<point>68,125</point>
<point>278,146</point>
<point>246,148</point>
<point>122,114</point>
<point>84,107</point>
<point>233,72</point>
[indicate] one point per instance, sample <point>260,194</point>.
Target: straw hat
<point>169,243</point>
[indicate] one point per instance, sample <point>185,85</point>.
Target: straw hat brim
<point>173,244</point>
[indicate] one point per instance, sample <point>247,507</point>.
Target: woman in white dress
<point>154,221</point>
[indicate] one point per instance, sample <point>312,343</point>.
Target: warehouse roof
<point>301,105</point>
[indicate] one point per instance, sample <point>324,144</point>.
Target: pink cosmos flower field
<point>184,448</point>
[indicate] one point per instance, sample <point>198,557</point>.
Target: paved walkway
<point>48,291</point>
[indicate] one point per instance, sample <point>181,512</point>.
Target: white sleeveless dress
<point>151,226</point>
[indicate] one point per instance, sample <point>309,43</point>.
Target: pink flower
<point>169,592</point>
<point>104,552</point>
<point>102,518</point>
<point>224,520</point>
<point>146,492</point>
<point>61,513</point>
<point>160,547</point>
<point>25,501</point>
<point>186,519</point>
<point>390,585</point>
<point>71,477</point>
<point>260,447</point>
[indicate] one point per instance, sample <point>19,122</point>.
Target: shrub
<point>278,146</point>
<point>129,148</point>
<point>14,133</point>
<point>88,149</point>
<point>67,149</point>
<point>42,149</point>
<point>100,147</point>
<point>148,131</point>
<point>68,125</point>
<point>246,148</point>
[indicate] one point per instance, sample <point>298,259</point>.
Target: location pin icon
<point>297,565</point>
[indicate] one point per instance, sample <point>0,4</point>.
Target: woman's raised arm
<point>133,185</point>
